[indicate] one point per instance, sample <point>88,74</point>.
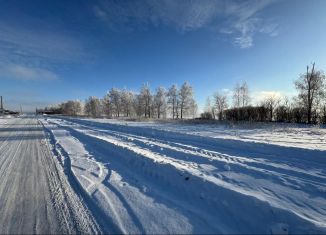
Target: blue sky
<point>52,51</point>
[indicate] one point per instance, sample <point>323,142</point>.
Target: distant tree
<point>172,96</point>
<point>271,102</point>
<point>206,115</point>
<point>127,99</point>
<point>244,92</point>
<point>160,101</point>
<point>209,107</point>
<point>93,107</point>
<point>186,98</point>
<point>310,85</point>
<point>241,97</point>
<point>106,106</point>
<point>220,103</point>
<point>137,105</point>
<point>71,107</point>
<point>77,107</point>
<point>146,99</point>
<point>323,114</point>
<point>237,96</point>
<point>115,99</point>
<point>193,108</point>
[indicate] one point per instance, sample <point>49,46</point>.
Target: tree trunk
<point>173,109</point>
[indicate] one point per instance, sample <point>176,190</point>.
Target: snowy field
<point>147,177</point>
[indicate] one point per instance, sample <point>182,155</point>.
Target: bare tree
<point>186,97</point>
<point>310,85</point>
<point>271,102</point>
<point>209,108</point>
<point>146,99</point>
<point>241,97</point>
<point>237,96</point>
<point>172,96</point>
<point>244,94</point>
<point>220,103</point>
<point>160,101</point>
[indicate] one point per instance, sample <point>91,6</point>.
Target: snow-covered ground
<point>170,178</point>
<point>36,197</point>
<point>292,135</point>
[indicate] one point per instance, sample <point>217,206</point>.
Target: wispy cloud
<point>32,54</point>
<point>239,19</point>
<point>19,42</point>
<point>183,15</point>
<point>20,72</point>
<point>245,20</point>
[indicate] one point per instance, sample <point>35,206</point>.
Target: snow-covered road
<point>35,194</point>
<point>63,175</point>
<point>149,180</point>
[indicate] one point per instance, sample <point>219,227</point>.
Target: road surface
<point>35,196</point>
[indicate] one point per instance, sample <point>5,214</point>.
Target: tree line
<point>163,103</point>
<point>309,106</point>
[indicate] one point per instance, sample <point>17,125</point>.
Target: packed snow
<point>36,196</point>
<point>149,177</point>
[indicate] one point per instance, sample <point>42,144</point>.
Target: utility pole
<point>1,108</point>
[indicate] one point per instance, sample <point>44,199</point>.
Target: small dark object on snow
<point>187,178</point>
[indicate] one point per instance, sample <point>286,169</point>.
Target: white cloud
<point>245,21</point>
<point>244,41</point>
<point>259,96</point>
<point>240,20</point>
<point>20,72</point>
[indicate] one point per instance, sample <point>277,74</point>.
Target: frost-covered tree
<point>193,108</point>
<point>137,105</point>
<point>115,98</point>
<point>160,101</point>
<point>127,99</point>
<point>71,107</point>
<point>172,100</point>
<point>220,103</point>
<point>93,107</point>
<point>310,86</point>
<point>146,99</point>
<point>106,106</point>
<point>185,98</point>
